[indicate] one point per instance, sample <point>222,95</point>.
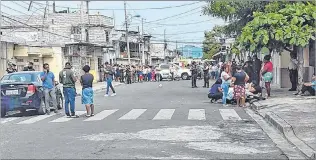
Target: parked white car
<point>164,72</point>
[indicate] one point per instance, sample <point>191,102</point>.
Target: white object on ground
<point>35,119</point>
<point>229,114</point>
<point>133,114</point>
<point>101,115</point>
<point>65,118</point>
<point>164,114</point>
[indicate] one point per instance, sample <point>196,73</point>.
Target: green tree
<point>210,44</point>
<point>277,29</point>
<point>236,13</point>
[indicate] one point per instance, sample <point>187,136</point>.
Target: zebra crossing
<point>133,114</point>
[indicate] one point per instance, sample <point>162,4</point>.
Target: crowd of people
<point>235,82</point>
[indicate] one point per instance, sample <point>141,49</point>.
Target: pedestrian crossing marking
<point>35,119</point>
<point>164,114</point>
<point>9,119</point>
<point>101,115</point>
<point>196,114</point>
<point>65,118</point>
<point>133,114</point>
<point>229,114</point>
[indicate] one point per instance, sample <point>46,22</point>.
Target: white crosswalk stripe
<point>35,119</point>
<point>101,115</point>
<point>9,119</point>
<point>164,114</point>
<point>65,118</point>
<point>133,114</point>
<point>229,114</point>
<point>196,114</point>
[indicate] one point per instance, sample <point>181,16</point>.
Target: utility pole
<point>165,45</point>
<point>127,43</point>
<point>143,40</point>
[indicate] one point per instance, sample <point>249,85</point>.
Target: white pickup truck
<point>164,71</point>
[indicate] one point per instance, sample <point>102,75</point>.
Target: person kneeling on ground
<point>310,87</point>
<point>215,92</point>
<point>254,89</point>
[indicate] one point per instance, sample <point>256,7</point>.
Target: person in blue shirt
<point>310,87</point>
<point>48,79</point>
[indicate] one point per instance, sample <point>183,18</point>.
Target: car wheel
<point>42,110</point>
<point>184,76</point>
<point>3,112</point>
<point>60,102</point>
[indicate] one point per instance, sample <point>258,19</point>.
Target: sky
<point>189,26</point>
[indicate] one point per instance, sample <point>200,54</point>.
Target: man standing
<point>194,73</point>
<point>206,71</point>
<point>109,78</point>
<point>256,69</point>
<point>29,67</point>
<point>293,72</point>
<point>68,79</point>
<point>48,79</point>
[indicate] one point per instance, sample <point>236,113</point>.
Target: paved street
<point>142,121</point>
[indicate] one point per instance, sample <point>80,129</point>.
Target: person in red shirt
<point>266,73</point>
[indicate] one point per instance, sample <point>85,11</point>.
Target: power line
<point>100,9</point>
<point>181,33</point>
<point>38,28</point>
<point>174,15</point>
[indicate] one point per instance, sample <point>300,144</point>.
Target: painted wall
<point>6,54</point>
<point>191,51</point>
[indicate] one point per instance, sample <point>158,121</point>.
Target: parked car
<point>164,71</point>
<point>21,91</point>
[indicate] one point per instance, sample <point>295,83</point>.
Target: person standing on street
<point>109,78</point>
<point>239,80</point>
<point>266,73</point>
<point>29,67</point>
<point>293,72</point>
<point>68,79</point>
<point>256,69</point>
<point>206,71</point>
<point>48,79</point>
<point>86,81</point>
<point>11,68</point>
<point>194,73</point>
<point>226,79</point>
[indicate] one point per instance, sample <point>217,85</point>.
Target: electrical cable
<point>180,33</point>
<point>100,9</point>
<point>174,15</point>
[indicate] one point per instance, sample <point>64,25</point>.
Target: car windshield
<point>17,78</point>
<point>164,66</point>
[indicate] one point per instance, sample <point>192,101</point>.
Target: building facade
<point>189,51</point>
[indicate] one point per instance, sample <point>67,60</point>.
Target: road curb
<point>101,89</point>
<point>287,130</point>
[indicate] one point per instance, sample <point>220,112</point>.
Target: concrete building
<point>160,54</point>
<point>79,37</point>
<point>135,45</point>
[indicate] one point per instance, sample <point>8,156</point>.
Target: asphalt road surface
<point>143,121</point>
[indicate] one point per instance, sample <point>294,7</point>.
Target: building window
<point>75,30</point>
<point>19,60</point>
<point>36,60</point>
<point>107,36</point>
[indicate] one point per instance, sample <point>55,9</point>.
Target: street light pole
<point>164,45</point>
<point>143,40</point>
<point>127,43</point>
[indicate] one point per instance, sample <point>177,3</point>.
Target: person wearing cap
<point>68,79</point>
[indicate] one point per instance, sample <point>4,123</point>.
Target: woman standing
<point>86,81</point>
<point>239,80</point>
<point>225,83</point>
<point>266,73</point>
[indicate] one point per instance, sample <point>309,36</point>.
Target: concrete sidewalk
<point>99,86</point>
<point>293,116</point>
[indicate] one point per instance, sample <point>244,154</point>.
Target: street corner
<point>230,140</point>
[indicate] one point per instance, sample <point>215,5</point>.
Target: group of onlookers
<point>236,81</point>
